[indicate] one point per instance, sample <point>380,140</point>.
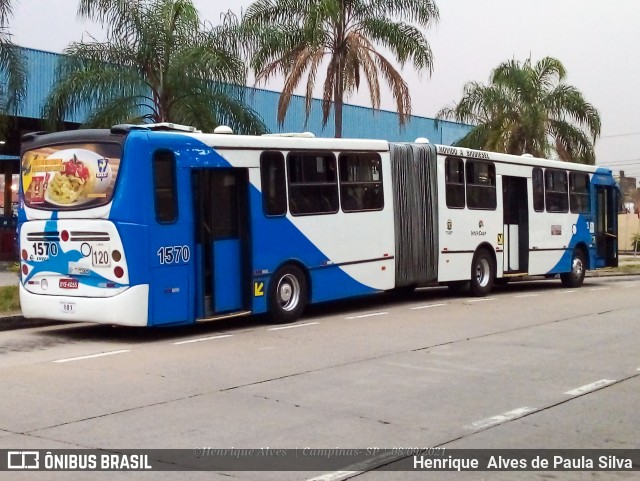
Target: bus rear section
<point>73,262</point>
<point>77,270</point>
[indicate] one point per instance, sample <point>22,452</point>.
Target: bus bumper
<point>129,308</point>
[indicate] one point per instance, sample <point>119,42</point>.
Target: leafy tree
<point>158,64</point>
<point>528,108</point>
<point>12,65</point>
<point>297,37</point>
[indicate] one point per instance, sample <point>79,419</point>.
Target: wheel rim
<point>483,272</point>
<point>288,292</point>
<point>577,267</point>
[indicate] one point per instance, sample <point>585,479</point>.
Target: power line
<point>628,134</point>
<point>607,163</point>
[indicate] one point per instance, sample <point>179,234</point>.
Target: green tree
<point>13,69</point>
<point>297,37</point>
<point>159,63</point>
<point>528,108</point>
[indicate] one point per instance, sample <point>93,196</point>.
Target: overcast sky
<point>598,42</point>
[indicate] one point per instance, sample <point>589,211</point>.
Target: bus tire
<point>287,294</point>
<point>575,277</point>
<point>483,273</point>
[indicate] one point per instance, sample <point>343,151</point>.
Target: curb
<point>10,323</point>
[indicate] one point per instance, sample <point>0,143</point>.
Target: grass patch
<point>628,268</point>
<point>9,299</point>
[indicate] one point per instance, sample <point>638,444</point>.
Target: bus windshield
<point>70,176</point>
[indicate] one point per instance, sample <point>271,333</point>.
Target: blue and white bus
<point>162,225</point>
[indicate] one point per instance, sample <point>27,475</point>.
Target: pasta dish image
<point>70,176</point>
<point>71,184</point>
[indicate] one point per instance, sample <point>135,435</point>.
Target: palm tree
<point>158,64</point>
<point>528,108</point>
<point>12,65</point>
<point>294,37</point>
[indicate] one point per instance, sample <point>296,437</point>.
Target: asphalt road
<point>532,366</point>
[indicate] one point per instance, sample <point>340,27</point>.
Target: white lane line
<point>335,476</point>
<point>292,327</point>
<point>526,295</point>
<point>565,292</point>
<point>373,314</point>
<point>428,306</point>
<point>484,299</point>
<point>200,339</point>
<point>590,387</point>
<point>599,288</point>
<point>92,356</point>
<point>501,418</point>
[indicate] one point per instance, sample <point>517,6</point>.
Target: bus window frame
<point>549,201</point>
<point>482,190</point>
<point>278,156</point>
<point>356,190</point>
<point>537,189</point>
<point>295,201</point>
<point>173,188</point>
<point>454,191</point>
<point>584,206</point>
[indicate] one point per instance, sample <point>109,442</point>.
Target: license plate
<point>100,256</point>
<point>68,283</point>
<point>67,307</point>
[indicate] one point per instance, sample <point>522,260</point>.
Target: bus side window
<point>481,185</point>
<point>556,192</point>
<point>361,182</point>
<point>454,182</point>
<point>313,183</point>
<point>579,192</point>
<point>274,195</point>
<point>164,185</point>
<point>538,189</point>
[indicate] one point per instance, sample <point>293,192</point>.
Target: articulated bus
<point>162,225</point>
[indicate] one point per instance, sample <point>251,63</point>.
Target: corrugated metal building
<point>358,122</point>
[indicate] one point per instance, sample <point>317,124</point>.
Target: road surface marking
<point>362,316</point>
<point>200,339</point>
<point>481,300</point>
<point>565,292</point>
<point>92,356</point>
<point>590,387</point>
<point>501,418</point>
<point>599,288</point>
<point>292,327</point>
<point>526,295</point>
<point>426,307</point>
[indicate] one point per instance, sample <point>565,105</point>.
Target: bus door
<point>221,221</point>
<point>516,224</point>
<point>606,229</point>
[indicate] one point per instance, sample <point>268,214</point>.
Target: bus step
<point>224,316</point>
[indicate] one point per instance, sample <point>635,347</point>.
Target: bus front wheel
<point>287,294</point>
<point>483,273</point>
<point>575,278</point>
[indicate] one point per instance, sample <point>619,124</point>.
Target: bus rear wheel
<point>575,277</point>
<point>287,294</point>
<point>483,273</point>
